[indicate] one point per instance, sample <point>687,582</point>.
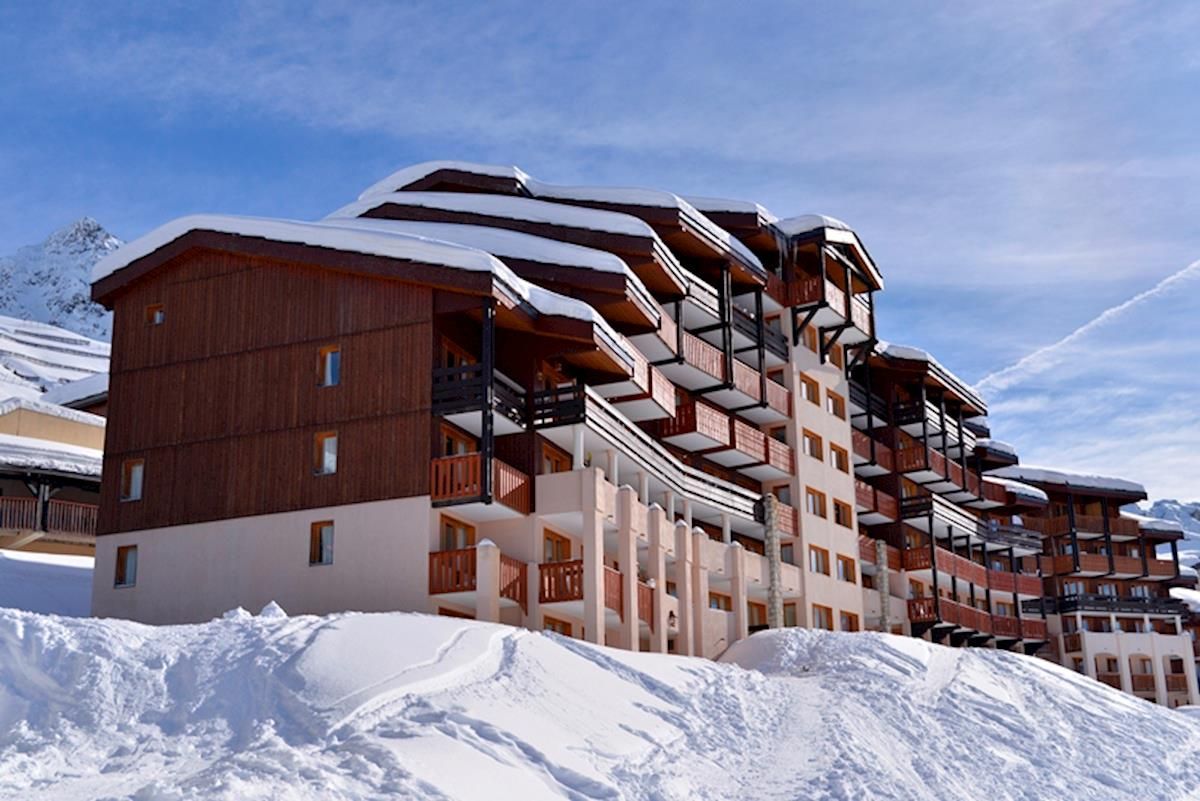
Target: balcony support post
<point>933,567</point>
<point>737,576</point>
<point>687,512</point>
<point>656,571</point>
<point>725,301</point>
<point>1012,567</point>
<point>643,479</point>
<point>761,331</point>
<point>1145,559</point>
<point>487,358</point>
<point>726,529</point>
<point>577,452</point>
<point>487,582</point>
<point>534,619</point>
<point>1108,546</point>
<point>614,467</point>
<point>1175,556</point>
<point>593,572</point>
<point>944,435</point>
<point>628,561</point>
<point>962,455</point>
<point>699,598</point>
<point>1074,533</point>
<point>683,589</point>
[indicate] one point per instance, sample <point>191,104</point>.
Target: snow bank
<point>408,706</point>
<point>47,583</point>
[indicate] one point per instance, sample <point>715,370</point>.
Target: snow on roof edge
<point>77,390</point>
<point>30,453</point>
<point>1047,475</point>
<point>53,410</point>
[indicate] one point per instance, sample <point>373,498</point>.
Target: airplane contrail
<point>1007,376</point>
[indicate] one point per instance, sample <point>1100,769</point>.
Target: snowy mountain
<point>1186,515</point>
<point>51,282</point>
<point>357,706</point>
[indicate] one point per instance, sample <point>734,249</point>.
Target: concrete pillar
<point>1160,672</point>
<point>614,467</point>
<point>577,452</point>
<point>643,480</point>
<point>1189,670</point>
<point>683,588</point>
<point>627,559</point>
<point>687,512</point>
<point>656,570</point>
<point>726,529</point>
<point>592,536</point>
<point>737,574</point>
<point>699,594</point>
<point>533,586</point>
<point>1123,668</point>
<point>669,505</point>
<point>774,562</point>
<point>487,581</point>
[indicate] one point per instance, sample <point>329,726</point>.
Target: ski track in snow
<point>359,706</point>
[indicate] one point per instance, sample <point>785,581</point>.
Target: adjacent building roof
<point>52,410</point>
<point>83,392</point>
<point>40,455</point>
<point>1083,482</point>
<point>1020,490</point>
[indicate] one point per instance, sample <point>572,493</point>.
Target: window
<point>783,492</point>
<point>814,502</point>
<point>757,615</point>
<point>126,570</point>
<point>776,374</point>
<point>778,433</point>
<point>842,515</point>
<point>839,458</point>
<point>456,535</point>
<point>718,601</point>
<point>787,554</point>
<point>849,621</point>
<point>1140,591</point>
<point>810,390</point>
<point>555,547</point>
<point>812,445</point>
<point>789,615</point>
<point>810,339</point>
<point>915,589</point>
<point>555,625</point>
<point>455,442</point>
<point>822,617</point>
<point>1073,588</point>
<point>835,404</point>
<point>1108,589</point>
<point>818,560</point>
<point>554,460</point>
<point>836,354</point>
<point>453,356</point>
<point>132,474</point>
<point>325,453</point>
<point>329,366</point>
<point>156,314</point>
<point>320,543</point>
<point>845,569</point>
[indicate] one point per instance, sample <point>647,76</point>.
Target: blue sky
<point>1015,170</point>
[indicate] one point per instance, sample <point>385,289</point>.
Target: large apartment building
<point>613,413</point>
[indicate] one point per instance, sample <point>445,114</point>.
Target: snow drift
<point>411,706</point>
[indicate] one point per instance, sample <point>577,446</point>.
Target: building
<point>50,460</point>
<point>1107,591</point>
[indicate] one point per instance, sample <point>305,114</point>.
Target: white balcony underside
<point>473,422</point>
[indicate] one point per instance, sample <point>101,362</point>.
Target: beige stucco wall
<point>27,423</point>
<point>196,572</point>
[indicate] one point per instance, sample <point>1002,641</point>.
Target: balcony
<point>1090,564</point>
<point>454,573</point>
<point>948,565</point>
<point>458,480</point>
<point>1114,680</point>
<point>1072,643</point>
<point>1143,682</point>
<point>1006,627</point>
<point>1020,583</point>
<point>860,401</point>
<point>19,514</point>
<point>757,455</point>
<point>873,505</point>
<point>459,395</point>
<point>703,367</point>
<point>1176,683</point>
<point>1033,629</point>
<point>562,583</point>
<point>832,309</point>
<point>789,521</point>
<point>871,457</point>
<point>930,468</point>
<point>1089,602</point>
<point>949,613</point>
<point>1086,526</point>
<point>65,518</point>
<point>695,427</point>
<point>645,594</point>
<point>1158,568</point>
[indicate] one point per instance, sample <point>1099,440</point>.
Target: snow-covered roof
<point>1154,523</point>
<point>719,204</point>
<point>1189,597</point>
<point>415,172</point>
<point>1020,489</point>
<point>94,386</point>
<point>910,353</point>
<point>628,196</point>
<point>999,446</point>
<point>1082,481</point>
<point>36,356</point>
<point>802,224</point>
<point>28,453</point>
<point>51,409</point>
<point>389,244</point>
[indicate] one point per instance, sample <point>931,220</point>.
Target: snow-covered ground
<point>410,706</point>
<point>47,583</point>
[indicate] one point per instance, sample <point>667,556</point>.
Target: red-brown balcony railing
<point>459,478</point>
<point>1088,524</point>
<point>18,513</point>
<point>563,581</point>
<point>1160,568</point>
<point>745,379</point>
<point>873,499</point>
<point>748,440</point>
<point>788,523</point>
<point>1143,682</point>
<point>1072,643</point>
<point>1088,563</point>
<point>948,564</point>
<point>1114,680</point>
<point>994,492</point>
<point>698,418</point>
<point>780,455</point>
<point>1004,581</point>
<point>703,356</point>
<point>456,571</point>
<point>1127,565</point>
<point>1033,629</point>
<point>778,397</point>
<point>1049,526</point>
<point>645,595</point>
<point>68,517</point>
<point>866,550</point>
<point>1176,683</point>
<point>1003,626</point>
<point>662,391</point>
<point>860,315</point>
<point>862,448</point>
<point>921,610</point>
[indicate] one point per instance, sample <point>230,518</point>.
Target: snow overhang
<point>1076,483</point>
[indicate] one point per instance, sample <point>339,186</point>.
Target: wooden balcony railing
<point>18,513</point>
<point>452,571</point>
<point>563,581</point>
<point>1072,643</point>
<point>1127,565</point>
<point>1143,682</point>
<point>921,610</point>
<point>1033,629</point>
<point>613,595</point>
<point>789,523</point>
<point>662,391</point>
<point>1049,526</point>
<point>778,397</point>
<point>1176,683</point>
<point>1114,680</point>
<point>703,356</point>
<point>646,604</point>
<point>1087,524</point>
<point>1064,565</point>
<point>459,478</point>
<point>1160,568</point>
<point>994,492</point>
<point>948,564</point>
<point>748,440</point>
<point>1004,581</point>
<point>514,581</point>
<point>861,443</point>
<point>780,455</point>
<point>1003,626</point>
<point>860,315</point>
<point>67,517</point>
<point>695,417</point>
<point>745,379</point>
<point>873,499</point>
<point>866,550</point>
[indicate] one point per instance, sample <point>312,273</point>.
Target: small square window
<point>156,314</point>
<point>849,621</point>
<point>126,568</point>
<point>814,502</point>
<point>818,560</point>
<point>839,458</point>
<point>845,569</point>
<point>812,445</point>
<point>822,617</point>
<point>329,366</point>
<point>320,543</point>
<point>842,515</point>
<point>325,453</point>
<point>132,474</point>
<point>811,390</point>
<point>835,404</point>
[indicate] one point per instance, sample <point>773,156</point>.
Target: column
<point>593,575</point>
<point>683,588</point>
<point>737,574</point>
<point>699,593</point>
<point>1160,672</point>
<point>614,467</point>
<point>533,587</point>
<point>487,582</point>
<point>643,480</point>
<point>669,505</point>
<point>656,569</point>
<point>687,512</point>
<point>726,529</point>
<point>627,559</point>
<point>577,452</point>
